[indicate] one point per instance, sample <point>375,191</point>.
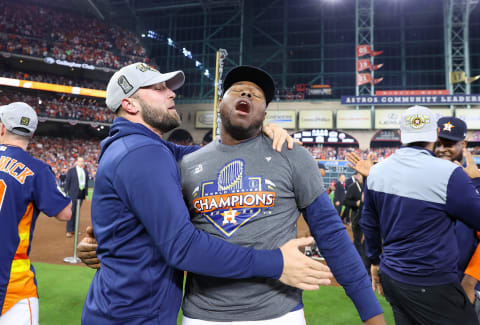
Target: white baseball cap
<point>19,118</point>
<point>126,81</point>
<point>418,124</point>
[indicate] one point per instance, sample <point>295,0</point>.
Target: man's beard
<point>239,132</point>
<point>163,123</point>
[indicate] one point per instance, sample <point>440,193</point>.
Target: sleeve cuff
<point>476,182</point>
<point>366,303</point>
<point>268,263</point>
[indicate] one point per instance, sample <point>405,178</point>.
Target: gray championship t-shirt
<point>249,195</point>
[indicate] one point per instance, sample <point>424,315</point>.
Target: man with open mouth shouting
<point>237,188</point>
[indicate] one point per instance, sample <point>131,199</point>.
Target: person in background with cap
<point>322,169</point>
<point>145,237</point>
<point>411,199</point>
<point>268,191</point>
<point>27,186</point>
<point>450,146</point>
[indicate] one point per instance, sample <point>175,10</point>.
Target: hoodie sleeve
<point>341,256</point>
<point>148,181</point>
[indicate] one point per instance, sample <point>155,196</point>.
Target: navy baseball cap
<point>321,165</point>
<point>253,74</point>
<point>452,128</point>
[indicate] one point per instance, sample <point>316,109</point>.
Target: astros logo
<point>418,121</point>
<point>233,199</point>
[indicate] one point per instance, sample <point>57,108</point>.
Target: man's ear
<point>219,106</point>
<point>464,144</point>
<point>130,106</point>
<point>3,129</point>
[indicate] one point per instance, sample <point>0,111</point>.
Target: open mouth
<point>243,106</point>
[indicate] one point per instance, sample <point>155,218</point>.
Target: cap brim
<point>173,80</point>
<point>252,74</point>
<point>450,137</point>
<point>429,136</point>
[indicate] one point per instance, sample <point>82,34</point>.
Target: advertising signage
<point>412,100</point>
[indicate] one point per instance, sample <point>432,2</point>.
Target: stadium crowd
<point>61,106</point>
<point>45,32</point>
<point>339,153</point>
<point>61,153</point>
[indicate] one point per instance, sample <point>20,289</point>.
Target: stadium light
<point>143,35</point>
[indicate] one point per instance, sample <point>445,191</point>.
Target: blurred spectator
<point>181,136</point>
<point>339,153</point>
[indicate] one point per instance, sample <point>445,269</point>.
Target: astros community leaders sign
<point>412,100</point>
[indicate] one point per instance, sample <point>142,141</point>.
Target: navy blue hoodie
<point>145,237</point>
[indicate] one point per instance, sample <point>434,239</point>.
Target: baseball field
<point>63,287</point>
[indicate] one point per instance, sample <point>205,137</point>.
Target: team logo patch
<point>145,67</point>
<point>448,126</point>
<point>124,84</point>
<point>233,199</point>
<point>418,121</point>
<point>24,121</point>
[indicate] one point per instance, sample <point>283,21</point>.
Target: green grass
<point>90,192</point>
<point>63,288</point>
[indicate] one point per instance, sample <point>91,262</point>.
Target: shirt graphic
<point>233,198</point>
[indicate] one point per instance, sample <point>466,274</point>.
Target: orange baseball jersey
<point>27,186</point>
<point>473,268</point>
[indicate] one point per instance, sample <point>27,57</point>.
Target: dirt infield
<point>49,243</point>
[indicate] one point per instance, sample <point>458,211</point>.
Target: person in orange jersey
<point>27,186</point>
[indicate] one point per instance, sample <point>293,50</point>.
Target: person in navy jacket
<point>411,200</point>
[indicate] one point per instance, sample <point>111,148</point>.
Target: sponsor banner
<point>411,92</point>
<point>412,100</point>
<point>284,119</point>
<point>315,120</point>
<point>74,64</point>
<point>388,118</point>
<point>470,116</point>
<point>354,119</point>
<point>52,87</point>
<point>204,119</point>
